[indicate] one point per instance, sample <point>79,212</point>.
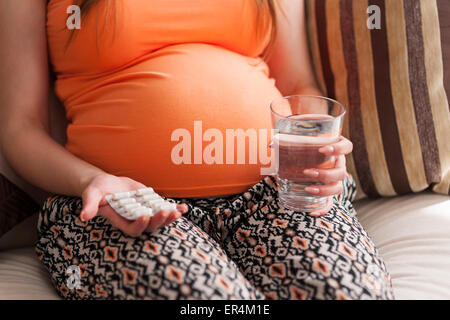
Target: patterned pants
<point>238,247</point>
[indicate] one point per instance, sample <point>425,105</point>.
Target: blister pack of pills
<point>142,202</point>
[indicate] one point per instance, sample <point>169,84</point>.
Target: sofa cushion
<point>412,234</point>
<point>391,78</point>
<point>22,276</point>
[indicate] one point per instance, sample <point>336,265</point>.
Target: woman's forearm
<point>24,82</point>
<point>37,158</point>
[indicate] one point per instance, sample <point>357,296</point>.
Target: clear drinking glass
<point>303,125</point>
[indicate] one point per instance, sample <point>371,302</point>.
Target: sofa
<point>412,233</point>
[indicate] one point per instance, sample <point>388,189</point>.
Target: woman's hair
<point>265,7</point>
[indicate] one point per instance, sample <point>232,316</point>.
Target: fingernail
<point>82,217</point>
<point>316,215</point>
<point>326,149</point>
<point>311,172</point>
<point>312,189</point>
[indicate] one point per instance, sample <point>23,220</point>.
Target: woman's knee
<point>176,262</point>
<point>156,277</point>
<point>320,273</point>
<point>338,279</point>
<point>291,255</point>
<point>341,259</point>
<point>54,208</point>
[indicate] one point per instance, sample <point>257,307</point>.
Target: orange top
<point>140,75</point>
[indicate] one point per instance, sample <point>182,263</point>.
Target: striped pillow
<point>391,79</point>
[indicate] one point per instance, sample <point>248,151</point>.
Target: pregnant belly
<point>168,120</point>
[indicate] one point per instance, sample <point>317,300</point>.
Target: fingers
<point>131,228</point>
<point>323,211</point>
<point>161,219</point>
<point>337,173</point>
<point>182,208</point>
<point>164,218</point>
<point>325,190</point>
<point>343,146</point>
<point>174,215</point>
<point>137,227</point>
<point>91,200</point>
<point>143,224</point>
<point>158,220</point>
<point>330,175</point>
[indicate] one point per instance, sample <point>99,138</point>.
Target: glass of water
<point>303,125</point>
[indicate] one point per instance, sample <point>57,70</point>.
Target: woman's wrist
<point>86,178</point>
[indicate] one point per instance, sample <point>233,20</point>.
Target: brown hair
<point>264,7</point>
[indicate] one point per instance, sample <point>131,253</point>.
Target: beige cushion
<point>412,234</point>
<point>22,276</point>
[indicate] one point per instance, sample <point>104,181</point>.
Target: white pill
<point>123,202</point>
<point>153,203</point>
<point>132,213</point>
<point>142,211</point>
<point>141,192</point>
<point>130,206</point>
<point>121,195</point>
<point>121,211</point>
<point>133,204</point>
<point>165,206</point>
<point>153,196</point>
<point>148,205</point>
<point>171,206</point>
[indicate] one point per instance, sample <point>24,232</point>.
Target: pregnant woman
<point>138,80</point>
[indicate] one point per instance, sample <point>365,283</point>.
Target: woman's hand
<point>331,177</point>
<point>94,204</point>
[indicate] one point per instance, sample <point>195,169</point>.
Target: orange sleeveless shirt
<point>148,85</point>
